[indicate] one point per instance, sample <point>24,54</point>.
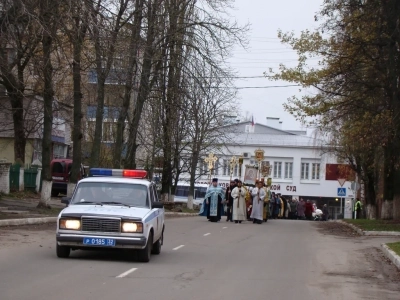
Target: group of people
<point>257,204</point>
<point>297,209</point>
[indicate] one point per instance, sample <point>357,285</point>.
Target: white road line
<point>127,273</point>
<point>224,227</point>
<point>207,234</point>
<point>179,247</point>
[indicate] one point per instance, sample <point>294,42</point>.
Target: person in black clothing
<point>229,201</point>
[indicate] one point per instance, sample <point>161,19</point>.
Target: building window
<point>315,171</point>
<point>216,167</point>
<point>225,168</point>
<point>58,151</point>
<point>305,171</point>
<point>236,171</point>
<point>204,168</point>
<point>277,169</point>
<point>109,131</point>
<point>288,170</point>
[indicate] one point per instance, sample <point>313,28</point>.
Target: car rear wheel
<point>62,251</point>
<point>157,245</point>
<point>144,254</point>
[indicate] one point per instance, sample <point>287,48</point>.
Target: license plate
<point>98,242</point>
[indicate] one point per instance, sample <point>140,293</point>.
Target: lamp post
<point>233,162</point>
<point>210,160</point>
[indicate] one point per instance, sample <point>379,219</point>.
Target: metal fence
<point>30,174</point>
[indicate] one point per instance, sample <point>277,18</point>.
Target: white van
<point>182,192</point>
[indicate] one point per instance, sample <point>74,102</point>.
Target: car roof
<point>112,179</point>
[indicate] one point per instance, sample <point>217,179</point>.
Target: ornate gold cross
<point>210,160</point>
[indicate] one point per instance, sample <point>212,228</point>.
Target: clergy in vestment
<point>259,195</point>
<point>213,206</point>
<point>238,194</point>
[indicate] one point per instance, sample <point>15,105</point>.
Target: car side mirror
<point>157,205</point>
<point>65,200</point>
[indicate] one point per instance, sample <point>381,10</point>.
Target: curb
<point>370,233</point>
<point>27,221</point>
<point>394,258</point>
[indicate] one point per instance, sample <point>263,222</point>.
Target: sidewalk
<point>373,227</point>
<point>377,230</point>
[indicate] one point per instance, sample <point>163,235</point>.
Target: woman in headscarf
<point>309,210</point>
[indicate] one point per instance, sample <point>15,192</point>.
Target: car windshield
<point>111,193</point>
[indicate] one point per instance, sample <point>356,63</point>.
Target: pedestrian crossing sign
<point>341,192</point>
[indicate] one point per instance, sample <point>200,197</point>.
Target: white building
<point>297,161</point>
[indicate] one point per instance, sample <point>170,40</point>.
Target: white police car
<point>112,209</point>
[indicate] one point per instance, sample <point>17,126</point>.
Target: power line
<point>255,87</point>
<point>266,87</point>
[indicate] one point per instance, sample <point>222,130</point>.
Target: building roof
<point>274,140</point>
<point>234,127</point>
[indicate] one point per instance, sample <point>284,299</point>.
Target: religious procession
<point>256,203</point>
<point>252,199</point>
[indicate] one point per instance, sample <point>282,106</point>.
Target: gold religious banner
<point>250,175</point>
<point>269,181</point>
<point>265,168</point>
<point>259,154</point>
<point>233,162</point>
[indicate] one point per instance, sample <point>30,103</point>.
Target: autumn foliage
<point>355,91</point>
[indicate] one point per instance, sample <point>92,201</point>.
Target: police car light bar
<point>96,172</point>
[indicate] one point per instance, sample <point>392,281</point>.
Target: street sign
<point>341,192</point>
<point>341,181</point>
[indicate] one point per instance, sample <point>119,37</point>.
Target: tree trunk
<point>78,36</point>
<point>193,168</point>
<point>98,132</point>
<point>17,105</point>
<point>48,95</point>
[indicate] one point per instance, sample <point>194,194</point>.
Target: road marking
<point>207,234</point>
<point>224,227</point>
<point>179,247</point>
<point>127,273</point>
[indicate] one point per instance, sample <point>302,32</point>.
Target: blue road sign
<point>341,192</point>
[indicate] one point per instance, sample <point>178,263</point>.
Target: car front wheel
<point>144,254</point>
<point>62,251</point>
<point>157,245</point>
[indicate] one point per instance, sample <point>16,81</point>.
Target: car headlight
<point>70,224</point>
<point>132,227</point>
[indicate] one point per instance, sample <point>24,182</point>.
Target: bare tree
<point>75,29</point>
<point>104,33</point>
<point>48,16</point>
<point>19,41</point>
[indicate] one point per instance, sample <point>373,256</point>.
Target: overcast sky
<point>265,51</point>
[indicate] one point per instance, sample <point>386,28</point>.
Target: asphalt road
<point>201,260</point>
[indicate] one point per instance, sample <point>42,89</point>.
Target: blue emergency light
<point>97,172</point>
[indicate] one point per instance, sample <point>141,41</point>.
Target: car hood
<point>105,210</point>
